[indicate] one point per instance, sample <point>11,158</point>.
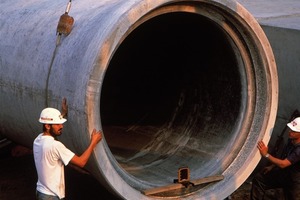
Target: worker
<point>283,172</point>
<point>50,155</point>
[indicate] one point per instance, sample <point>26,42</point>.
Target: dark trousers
<point>286,179</point>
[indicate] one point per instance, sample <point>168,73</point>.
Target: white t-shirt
<point>50,156</point>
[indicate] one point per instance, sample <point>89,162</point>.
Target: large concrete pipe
<point>171,83</point>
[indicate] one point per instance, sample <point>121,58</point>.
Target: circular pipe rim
<point>116,181</point>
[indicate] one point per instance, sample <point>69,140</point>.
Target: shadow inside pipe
<point>172,96</point>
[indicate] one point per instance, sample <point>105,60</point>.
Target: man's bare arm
<point>263,149</point>
<point>80,161</point>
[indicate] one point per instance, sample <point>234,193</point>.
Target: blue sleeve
<point>294,156</point>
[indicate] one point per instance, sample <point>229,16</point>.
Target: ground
<point>18,179</point>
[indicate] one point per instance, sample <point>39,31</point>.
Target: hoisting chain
<point>64,27</point>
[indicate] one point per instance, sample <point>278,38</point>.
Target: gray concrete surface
<point>280,20</point>
<point>198,120</point>
<point>277,13</point>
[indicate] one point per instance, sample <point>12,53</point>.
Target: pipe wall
<point>170,83</point>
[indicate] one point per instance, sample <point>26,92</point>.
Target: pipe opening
<point>173,96</point>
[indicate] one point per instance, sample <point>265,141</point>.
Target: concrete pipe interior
<point>176,93</point>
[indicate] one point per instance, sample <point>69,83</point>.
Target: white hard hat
<point>295,125</point>
<point>51,116</point>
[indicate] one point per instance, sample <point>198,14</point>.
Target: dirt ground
<point>242,193</point>
<point>18,179</point>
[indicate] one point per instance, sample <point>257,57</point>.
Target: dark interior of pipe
<point>172,97</point>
